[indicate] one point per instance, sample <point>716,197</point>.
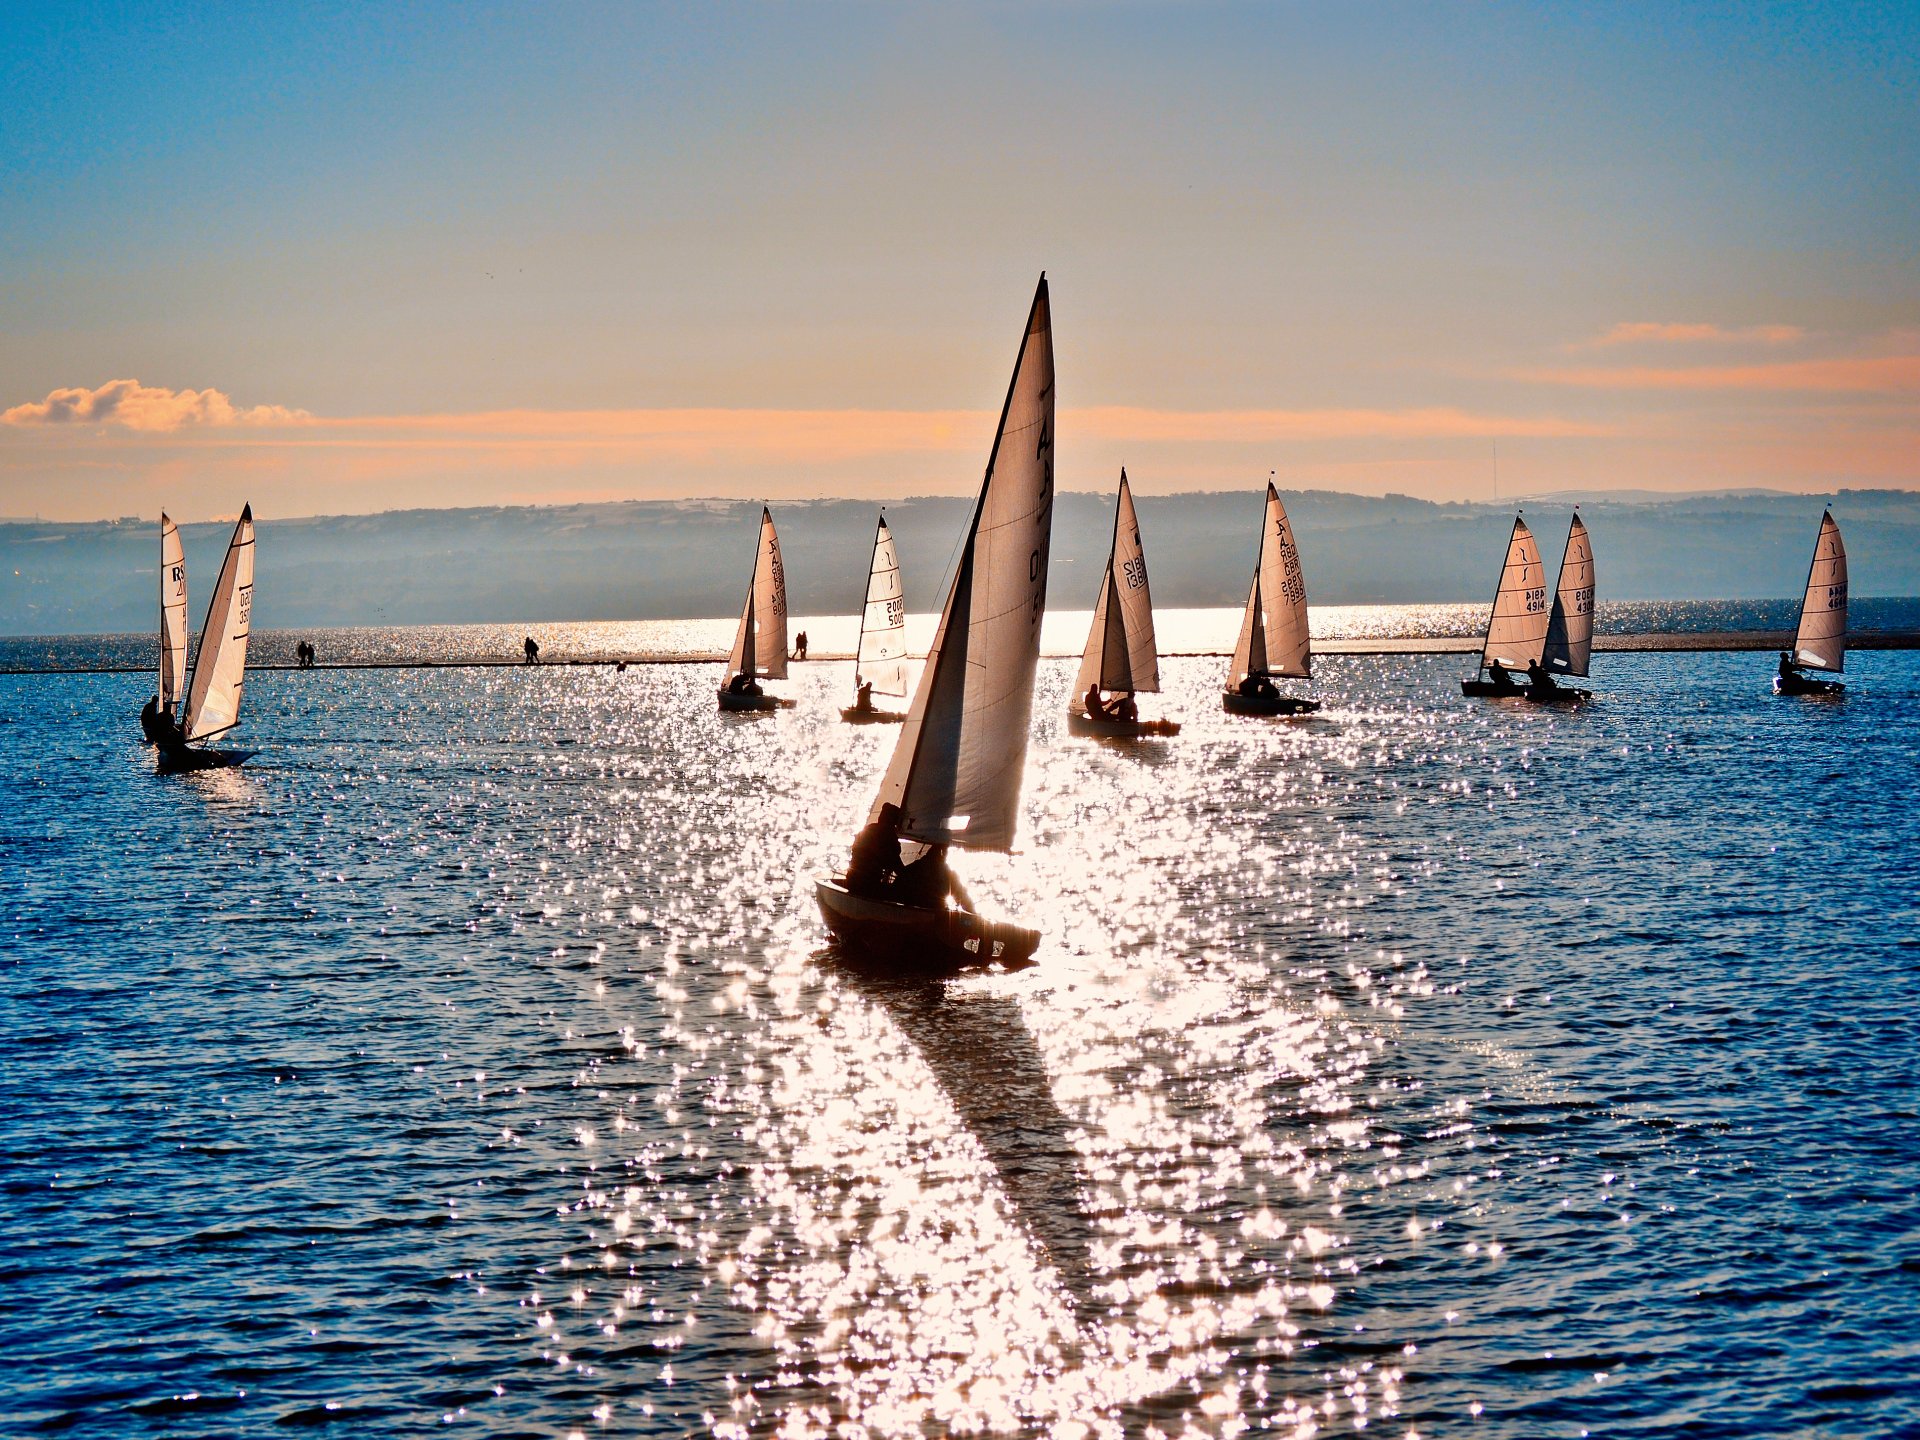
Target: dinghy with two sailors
<point>954,779</point>
<point>1122,658</point>
<point>760,644</point>
<point>1820,641</point>
<point>1273,639</point>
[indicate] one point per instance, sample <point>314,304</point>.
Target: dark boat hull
<point>854,715</point>
<point>1800,685</point>
<point>1559,695</point>
<point>747,704</point>
<point>908,937</point>
<point>1081,723</point>
<point>180,759</point>
<point>1234,703</point>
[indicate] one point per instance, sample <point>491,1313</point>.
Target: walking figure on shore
<point>533,651</point>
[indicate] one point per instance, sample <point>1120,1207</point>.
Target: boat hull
<point>1800,685</point>
<point>908,937</point>
<point>1559,695</point>
<point>748,704</point>
<point>854,715</point>
<point>1081,723</point>
<point>179,760</point>
<point>1234,703</point>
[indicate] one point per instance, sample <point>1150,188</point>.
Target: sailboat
<point>159,711</point>
<point>1121,657</point>
<point>1820,643</point>
<point>760,645</point>
<point>955,774</point>
<point>219,663</point>
<point>1568,649</point>
<point>1273,633</point>
<point>880,660</point>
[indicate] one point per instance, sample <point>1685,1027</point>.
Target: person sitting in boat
<point>743,684</point>
<point>1789,672</point>
<point>174,753</point>
<point>1501,678</point>
<point>928,881</point>
<point>863,697</point>
<point>1124,708</point>
<point>1095,706</point>
<point>150,721</point>
<point>1259,687</point>
<point>1539,682</point>
<point>874,866</point>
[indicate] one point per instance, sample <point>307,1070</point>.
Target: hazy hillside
<point>670,559</point>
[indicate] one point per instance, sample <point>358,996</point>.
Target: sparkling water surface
<point>471,1061</point>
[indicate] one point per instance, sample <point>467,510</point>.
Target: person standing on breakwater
<point>533,651</point>
<point>800,646</point>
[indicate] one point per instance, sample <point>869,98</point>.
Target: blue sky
<point>474,254</point>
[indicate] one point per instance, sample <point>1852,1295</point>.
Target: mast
<point>955,772</point>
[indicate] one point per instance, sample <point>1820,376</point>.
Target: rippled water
<point>469,1061</point>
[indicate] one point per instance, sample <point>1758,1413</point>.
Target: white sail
<point>173,616</point>
<point>955,773</point>
<point>1517,629</point>
<point>1821,642</point>
<point>1121,654</point>
<point>881,660</point>
<point>1569,643</point>
<point>220,664</point>
<point>1273,631</point>
<point>760,644</point>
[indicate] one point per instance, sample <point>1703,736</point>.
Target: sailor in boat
<point>151,720</point>
<point>1790,677</point>
<point>874,866</point>
<point>1501,678</point>
<point>1539,683</point>
<point>1259,687</point>
<point>927,883</point>
<point>744,684</point>
<point>863,698</point>
<point>174,752</point>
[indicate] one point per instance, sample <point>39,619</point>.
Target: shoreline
<point>1679,642</point>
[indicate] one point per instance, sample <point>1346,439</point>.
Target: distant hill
<point>679,559</point>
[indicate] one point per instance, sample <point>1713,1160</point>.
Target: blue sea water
<point>470,1062</point>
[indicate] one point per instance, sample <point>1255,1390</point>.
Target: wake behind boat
<point>1820,641</point>
<point>880,660</point>
<point>955,774</point>
<point>760,644</point>
<point>1121,658</point>
<point>1521,617</point>
<point>219,665</point>
<point>1273,631</point>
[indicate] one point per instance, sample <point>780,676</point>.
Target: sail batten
<point>1568,648</point>
<point>1122,654</point>
<point>1820,642</point>
<point>881,659</point>
<point>1517,627</point>
<point>956,770</point>
<point>220,664</point>
<point>173,616</point>
<point>760,644</point>
<point>1274,639</point>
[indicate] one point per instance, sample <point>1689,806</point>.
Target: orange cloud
<point>1877,375</point>
<point>1657,332</point>
<point>149,408</point>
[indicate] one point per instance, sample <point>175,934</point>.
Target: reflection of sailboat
<point>880,660</point>
<point>1273,632</point>
<point>985,1060</point>
<point>159,711</point>
<point>760,645</point>
<point>219,664</point>
<point>1820,643</point>
<point>1121,657</point>
<point>955,774</point>
<point>1517,628</point>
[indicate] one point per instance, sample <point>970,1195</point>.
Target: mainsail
<point>955,773</point>
<point>1517,629</point>
<point>220,664</point>
<point>760,645</point>
<point>1821,641</point>
<point>1569,644</point>
<point>881,660</point>
<point>173,616</point>
<point>1273,633</point>
<point>1121,654</point>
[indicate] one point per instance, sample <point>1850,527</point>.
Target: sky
<point>345,258</point>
